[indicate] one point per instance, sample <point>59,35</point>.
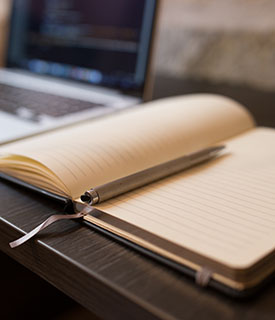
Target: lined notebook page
<point>94,153</point>
<point>224,210</point>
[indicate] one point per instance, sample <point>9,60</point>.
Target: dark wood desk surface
<point>108,278</point>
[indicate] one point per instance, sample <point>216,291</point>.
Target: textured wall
<point>218,40</point>
<point>4,14</point>
<point>231,41</point>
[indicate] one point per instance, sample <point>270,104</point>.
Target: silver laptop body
<point>68,61</point>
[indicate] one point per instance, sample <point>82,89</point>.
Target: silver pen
<point>136,180</point>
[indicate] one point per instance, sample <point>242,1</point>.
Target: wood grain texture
<point>110,279</point>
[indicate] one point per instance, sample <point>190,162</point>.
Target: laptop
<point>72,60</point>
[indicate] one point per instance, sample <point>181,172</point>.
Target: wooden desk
<point>111,280</point>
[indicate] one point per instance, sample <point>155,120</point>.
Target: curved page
<point>100,151</point>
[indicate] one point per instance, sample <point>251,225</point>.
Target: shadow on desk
<point>261,103</point>
<point>108,274</point>
<point>24,295</point>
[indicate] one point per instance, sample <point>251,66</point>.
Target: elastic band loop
<point>203,276</point>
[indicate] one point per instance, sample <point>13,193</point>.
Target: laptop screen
<point>103,42</point>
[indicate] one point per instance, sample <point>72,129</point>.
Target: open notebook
<point>217,218</point>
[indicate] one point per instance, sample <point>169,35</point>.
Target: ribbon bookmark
<point>48,222</point>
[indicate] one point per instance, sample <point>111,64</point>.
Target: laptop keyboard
<point>30,104</point>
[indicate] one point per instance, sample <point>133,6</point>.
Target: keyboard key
<point>12,99</point>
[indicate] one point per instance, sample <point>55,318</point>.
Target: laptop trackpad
<point>12,127</point>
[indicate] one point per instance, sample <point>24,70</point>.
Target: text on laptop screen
<point>103,42</point>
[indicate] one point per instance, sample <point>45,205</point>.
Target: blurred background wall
<point>228,41</point>
<point>231,41</point>
<point>4,16</point>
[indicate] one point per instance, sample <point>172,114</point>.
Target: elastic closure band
<point>203,276</point>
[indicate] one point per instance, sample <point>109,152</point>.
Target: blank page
<point>93,153</point>
<point>224,210</point>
